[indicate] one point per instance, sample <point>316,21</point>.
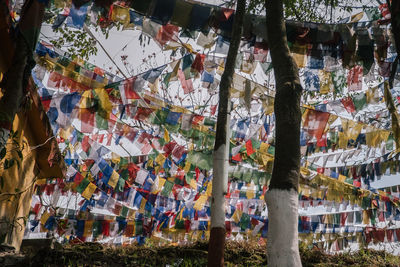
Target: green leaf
<point>3,153</point>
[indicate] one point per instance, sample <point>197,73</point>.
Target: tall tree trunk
<point>282,196</point>
<point>221,147</point>
<point>394,8</point>
<point>16,78</point>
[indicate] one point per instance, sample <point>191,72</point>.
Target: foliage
<point>76,42</point>
<point>236,254</point>
<point>310,10</point>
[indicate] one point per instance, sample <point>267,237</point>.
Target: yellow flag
<point>343,140</point>
<point>209,189</point>
<point>150,163</point>
<point>44,218</point>
<point>341,178</point>
<point>154,87</point>
<point>237,215</point>
<point>105,103</point>
<point>166,135</point>
<point>193,184</point>
<point>157,169</point>
<point>88,192</point>
<point>113,179</point>
<point>161,183</point>
<point>142,205</point>
<point>298,54</point>
<point>384,135</point>
<point>88,228</point>
<point>180,213</point>
<point>86,99</point>
<point>160,159</point>
<point>365,217</point>
<point>175,67</point>
<point>200,202</point>
<point>264,148</point>
<point>66,133</point>
<point>187,166</point>
<point>250,193</point>
<point>326,84</point>
<point>120,14</point>
<point>357,17</point>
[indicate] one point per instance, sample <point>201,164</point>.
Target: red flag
<point>197,119</point>
<point>142,113</point>
<point>129,89</point>
<point>109,138</point>
<point>197,170</point>
<point>186,84</point>
<point>315,123</point>
<point>98,71</point>
<point>227,13</point>
<point>87,120</point>
<point>78,178</point>
<point>101,138</point>
<point>105,225</point>
<point>249,147</point>
<point>237,157</point>
<point>385,11</point>
<point>354,78</point>
<point>130,134</point>
<point>213,109</point>
<point>348,104</point>
<point>198,63</point>
<point>167,33</point>
<point>322,142</point>
<point>85,143</point>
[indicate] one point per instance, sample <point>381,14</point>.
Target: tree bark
<point>16,78</point>
<point>394,9</point>
<point>221,147</point>
<point>282,197</point>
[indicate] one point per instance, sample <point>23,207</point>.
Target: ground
<point>236,254</point>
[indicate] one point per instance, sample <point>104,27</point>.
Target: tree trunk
<point>16,78</point>
<point>282,196</point>
<point>221,147</point>
<point>394,9</point>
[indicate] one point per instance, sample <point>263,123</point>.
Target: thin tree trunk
<point>282,196</point>
<point>221,147</point>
